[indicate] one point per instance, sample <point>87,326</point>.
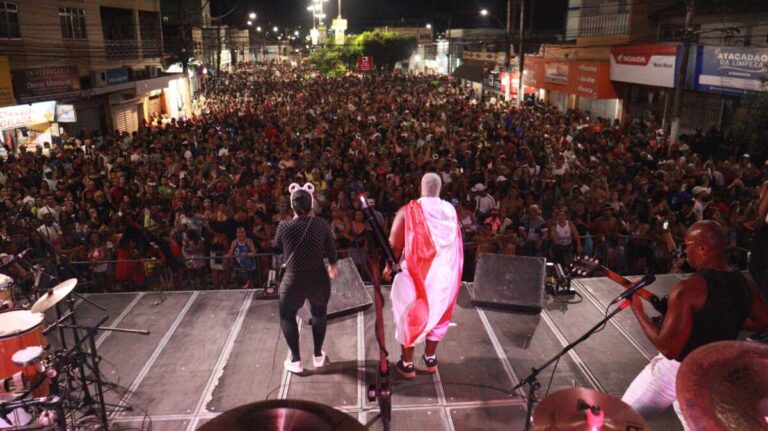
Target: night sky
<point>363,14</point>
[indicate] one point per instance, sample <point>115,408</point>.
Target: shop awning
<point>470,72</point>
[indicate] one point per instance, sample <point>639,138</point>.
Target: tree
<point>386,48</point>
<point>329,61</point>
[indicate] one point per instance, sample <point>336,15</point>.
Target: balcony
<point>121,49</point>
<point>604,25</point>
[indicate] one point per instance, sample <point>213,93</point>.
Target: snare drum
<point>20,329</point>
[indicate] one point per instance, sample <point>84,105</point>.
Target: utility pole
<point>508,51</point>
<point>520,57</point>
<point>677,106</point>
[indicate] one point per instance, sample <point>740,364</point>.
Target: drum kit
<point>54,385</point>
<point>721,386</point>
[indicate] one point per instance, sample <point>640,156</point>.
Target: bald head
<point>710,233</point>
<point>706,242</point>
<point>430,185</point>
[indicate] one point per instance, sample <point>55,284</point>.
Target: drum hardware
<point>283,415</point>
<point>622,302</point>
<point>724,386</point>
<point>580,409</point>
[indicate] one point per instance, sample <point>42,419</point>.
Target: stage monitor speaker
<point>348,293</point>
<point>514,283</point>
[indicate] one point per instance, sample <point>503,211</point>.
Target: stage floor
<point>210,351</point>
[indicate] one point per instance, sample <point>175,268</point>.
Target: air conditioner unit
<point>152,71</point>
<point>98,78</point>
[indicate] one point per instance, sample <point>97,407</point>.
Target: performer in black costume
<point>305,241</point>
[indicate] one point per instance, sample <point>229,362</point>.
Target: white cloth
<point>444,277</point>
<point>653,390</point>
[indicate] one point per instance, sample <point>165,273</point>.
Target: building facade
<point>99,60</point>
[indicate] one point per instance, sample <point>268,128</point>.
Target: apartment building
<point>98,59</point>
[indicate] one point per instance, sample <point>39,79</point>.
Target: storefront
<point>646,74</point>
<point>151,101</point>
<point>584,85</point>
<point>28,126</point>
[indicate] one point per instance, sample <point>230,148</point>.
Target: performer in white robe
<point>427,234</point>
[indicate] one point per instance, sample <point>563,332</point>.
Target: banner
<point>653,65</point>
<point>534,71</point>
<point>12,117</point>
<point>66,114</point>
<point>118,75</point>
<point>731,70</point>
<point>556,73</point>
<point>590,79</point>
<point>364,63</point>
<point>46,83</point>
<point>6,86</point>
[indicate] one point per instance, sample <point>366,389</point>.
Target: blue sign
<point>119,75</point>
<point>731,70</point>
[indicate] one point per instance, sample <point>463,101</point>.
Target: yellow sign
<point>6,86</point>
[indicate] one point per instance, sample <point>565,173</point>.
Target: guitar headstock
<point>583,266</point>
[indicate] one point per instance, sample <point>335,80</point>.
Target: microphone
<point>14,257</point>
<point>645,281</point>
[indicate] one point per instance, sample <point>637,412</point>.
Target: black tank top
<point>728,304</point>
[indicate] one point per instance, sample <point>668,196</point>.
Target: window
<point>150,31</point>
<point>9,20</point>
<point>72,23</point>
<point>117,26</point>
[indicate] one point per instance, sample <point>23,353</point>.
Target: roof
<point>470,72</point>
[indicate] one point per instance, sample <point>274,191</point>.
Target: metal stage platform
<point>210,351</point>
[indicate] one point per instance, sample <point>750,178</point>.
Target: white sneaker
<point>319,361</point>
<point>294,367</point>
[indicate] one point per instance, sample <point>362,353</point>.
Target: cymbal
<point>54,295</point>
<point>567,410</point>
<point>724,386</point>
<point>283,415</point>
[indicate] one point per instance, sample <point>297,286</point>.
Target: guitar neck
<point>626,284</point>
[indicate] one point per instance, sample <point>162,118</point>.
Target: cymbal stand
<point>532,379</point>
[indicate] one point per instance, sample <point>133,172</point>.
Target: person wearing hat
<point>484,202</point>
<point>305,241</point>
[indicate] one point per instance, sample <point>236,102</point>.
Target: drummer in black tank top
<point>714,304</point>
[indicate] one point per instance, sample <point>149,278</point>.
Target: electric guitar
<point>586,266</point>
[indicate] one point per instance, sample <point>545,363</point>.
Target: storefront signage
<point>653,65</point>
<point>46,83</point>
<point>534,72</point>
<point>364,63</point>
<point>585,79</point>
<point>12,117</point>
<point>731,70</point>
<point>590,79</point>
<point>556,73</point>
<point>119,75</point>
<point>66,114</point>
<point>6,86</point>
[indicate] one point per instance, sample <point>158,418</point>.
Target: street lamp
<point>258,29</point>
<point>296,33</point>
<point>484,12</point>
<point>275,29</point>
<point>252,15</point>
<point>250,23</point>
<point>429,26</point>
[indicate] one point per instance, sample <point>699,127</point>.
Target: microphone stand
<point>381,391</point>
<point>532,379</point>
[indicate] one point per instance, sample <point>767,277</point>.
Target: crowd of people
<point>202,196</point>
